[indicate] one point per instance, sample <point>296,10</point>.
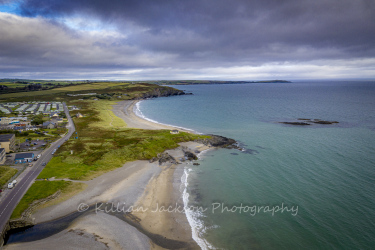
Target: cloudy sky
<point>187,39</point>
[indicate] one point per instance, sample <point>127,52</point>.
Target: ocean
<point>291,187</point>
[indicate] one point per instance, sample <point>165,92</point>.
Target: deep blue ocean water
<point>327,172</point>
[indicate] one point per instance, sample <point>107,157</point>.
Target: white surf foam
<point>137,111</point>
<point>197,225</point>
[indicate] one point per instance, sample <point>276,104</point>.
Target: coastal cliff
<point>161,92</point>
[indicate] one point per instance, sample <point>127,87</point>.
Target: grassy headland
<point>96,90</point>
<point>197,82</point>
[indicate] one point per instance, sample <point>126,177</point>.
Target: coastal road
<point>10,202</point>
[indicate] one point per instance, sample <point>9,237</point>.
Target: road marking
<point>31,174</point>
<point>16,194</point>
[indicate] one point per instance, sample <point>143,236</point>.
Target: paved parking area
<point>32,145</point>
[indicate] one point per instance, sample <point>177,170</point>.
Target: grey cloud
<point>40,43</point>
<point>237,24</point>
<point>192,34</point>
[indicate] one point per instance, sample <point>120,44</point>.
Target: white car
<point>14,182</point>
<point>10,185</point>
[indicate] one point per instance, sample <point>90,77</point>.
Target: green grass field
<point>37,191</point>
<point>5,174</point>
<point>104,143</point>
<point>107,118</point>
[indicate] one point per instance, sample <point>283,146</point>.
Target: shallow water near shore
<point>43,230</point>
<point>295,186</point>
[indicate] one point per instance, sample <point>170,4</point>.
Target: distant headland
<point>196,82</point>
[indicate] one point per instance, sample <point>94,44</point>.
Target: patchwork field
<point>81,87</point>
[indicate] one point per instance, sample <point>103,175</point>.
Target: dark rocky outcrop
<point>163,158</point>
<point>190,156</point>
<point>219,141</point>
<point>296,123</point>
<point>309,122</point>
<point>324,122</point>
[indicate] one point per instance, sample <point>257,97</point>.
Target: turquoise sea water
<point>326,171</point>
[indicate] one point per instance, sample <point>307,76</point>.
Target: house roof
<point>6,137</point>
<point>47,123</point>
<point>23,156</point>
<point>1,150</point>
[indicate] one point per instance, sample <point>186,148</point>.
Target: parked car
<point>43,164</point>
<point>10,185</point>
<point>14,182</point>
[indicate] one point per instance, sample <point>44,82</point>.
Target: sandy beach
<point>125,110</point>
<point>136,185</point>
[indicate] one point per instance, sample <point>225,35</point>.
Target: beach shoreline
<point>138,184</point>
<point>125,110</point>
<point>164,190</point>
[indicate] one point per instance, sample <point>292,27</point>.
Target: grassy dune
<point>104,143</point>
<point>107,118</point>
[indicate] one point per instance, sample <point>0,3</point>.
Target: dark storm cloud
<point>181,34</point>
<point>231,28</point>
